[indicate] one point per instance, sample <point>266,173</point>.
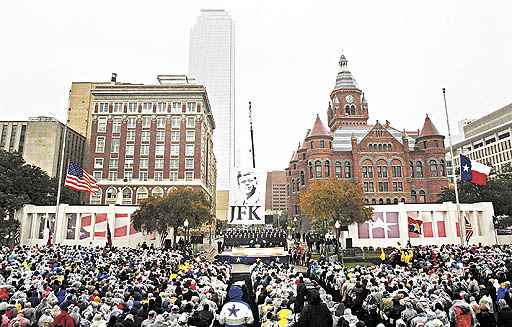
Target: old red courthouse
<point>391,165</point>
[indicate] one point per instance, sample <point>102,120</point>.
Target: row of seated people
<point>265,238</point>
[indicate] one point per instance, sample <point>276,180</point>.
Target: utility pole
<point>252,136</point>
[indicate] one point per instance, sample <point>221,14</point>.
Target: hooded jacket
<point>236,312</point>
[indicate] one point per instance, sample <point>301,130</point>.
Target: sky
<point>402,53</point>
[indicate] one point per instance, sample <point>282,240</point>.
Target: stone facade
<point>39,141</point>
<point>147,140</point>
<point>391,166</point>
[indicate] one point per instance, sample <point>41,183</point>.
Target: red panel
<point>427,229</point>
<point>457,228</point>
<point>441,229</point>
<point>86,220</point>
<point>363,230</point>
<point>100,234</point>
<point>101,217</point>
<point>120,231</point>
<point>121,215</point>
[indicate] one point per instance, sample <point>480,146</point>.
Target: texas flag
<point>473,171</point>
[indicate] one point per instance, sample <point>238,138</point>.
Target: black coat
<point>486,319</point>
<point>504,318</point>
<point>315,315</point>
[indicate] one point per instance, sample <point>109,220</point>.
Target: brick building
<point>390,165</point>
<point>146,140</point>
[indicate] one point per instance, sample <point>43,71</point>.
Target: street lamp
<point>185,223</point>
<point>337,225</point>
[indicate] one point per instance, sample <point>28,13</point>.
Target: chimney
<point>114,78</point>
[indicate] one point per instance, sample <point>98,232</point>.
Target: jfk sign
<point>247,197</point>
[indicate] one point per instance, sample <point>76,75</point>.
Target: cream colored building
<point>39,141</point>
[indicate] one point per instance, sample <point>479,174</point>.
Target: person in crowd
<point>236,312</point>
<point>315,312</point>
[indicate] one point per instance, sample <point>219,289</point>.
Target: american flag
<point>78,179</point>
<point>469,229</point>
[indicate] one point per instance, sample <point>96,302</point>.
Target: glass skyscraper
<point>212,63</point>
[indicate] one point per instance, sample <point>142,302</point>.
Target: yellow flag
<point>382,255</point>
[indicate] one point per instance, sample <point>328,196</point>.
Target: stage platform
<point>239,255</point>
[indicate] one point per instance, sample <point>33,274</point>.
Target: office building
<point>276,199</point>
<point>486,140</point>
<point>39,141</point>
<point>212,63</point>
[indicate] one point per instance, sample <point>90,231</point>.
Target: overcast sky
<point>400,52</point>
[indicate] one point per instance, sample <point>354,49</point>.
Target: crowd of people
<point>79,286</point>
<point>264,238</point>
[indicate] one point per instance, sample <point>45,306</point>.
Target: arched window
<point>111,196</point>
<point>172,189</point>
<point>422,198</point>
<point>352,110</point>
<point>142,193</point>
<point>419,169</point>
<point>318,169</point>
<point>157,192</point>
<point>442,168</point>
<point>411,169</point>
<point>347,109</point>
<point>327,166</point>
<point>293,185</point>
<point>310,170</point>
<point>395,201</point>
<point>402,200</point>
<point>382,169</point>
<point>298,185</point>
<point>348,170</point>
<point>380,147</point>
<point>433,168</point>
<point>388,201</point>
<point>337,169</point>
<point>381,201</point>
<point>96,197</point>
<point>396,168</point>
<point>373,201</point>
<point>127,196</point>
<point>366,201</point>
<point>414,199</point>
<point>302,182</point>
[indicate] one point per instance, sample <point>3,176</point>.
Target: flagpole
<point>61,166</point>
<point>459,217</point>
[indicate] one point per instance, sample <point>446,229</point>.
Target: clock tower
<point>348,106</point>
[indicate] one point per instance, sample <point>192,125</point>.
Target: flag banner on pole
<point>109,235</point>
<point>473,171</point>
<point>414,225</point>
<point>469,229</point>
<point>79,180</point>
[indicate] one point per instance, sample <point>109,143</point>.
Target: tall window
<point>174,163</point>
<point>293,185</point>
<point>111,195</point>
<point>348,170</point>
<point>310,170</point>
<point>433,168</point>
<point>117,108</point>
<point>146,122</point>
<point>159,150</point>
<point>411,169</point>
<point>147,107</point>
<point>191,136</point>
<point>419,169</point>
<point>142,193</point>
<point>127,196</point>
<point>173,176</point>
<point>176,107</point>
<point>103,107</point>
<point>176,122</point>
<point>112,164</point>
<point>132,107</point>
<point>159,163</point>
<point>397,171</point>
<point>189,150</point>
<point>322,144</point>
<point>143,175</point>
<point>102,125</point>
<point>302,182</point>
<point>422,197</point>
<point>116,125</point>
<point>327,165</point>
<point>160,122</point>
<point>160,136</point>
<point>191,107</point>
<point>367,171</point>
<point>114,147</point>
<point>131,122</point>
<point>337,169</point>
<point>175,149</point>
<point>145,136</point>
<point>318,169</point>
<point>382,171</point>
<point>144,150</point>
<point>189,163</point>
<point>414,198</point>
<point>191,122</point>
<point>100,144</point>
<point>160,107</point>
<point>175,136</point>
<point>442,168</point>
